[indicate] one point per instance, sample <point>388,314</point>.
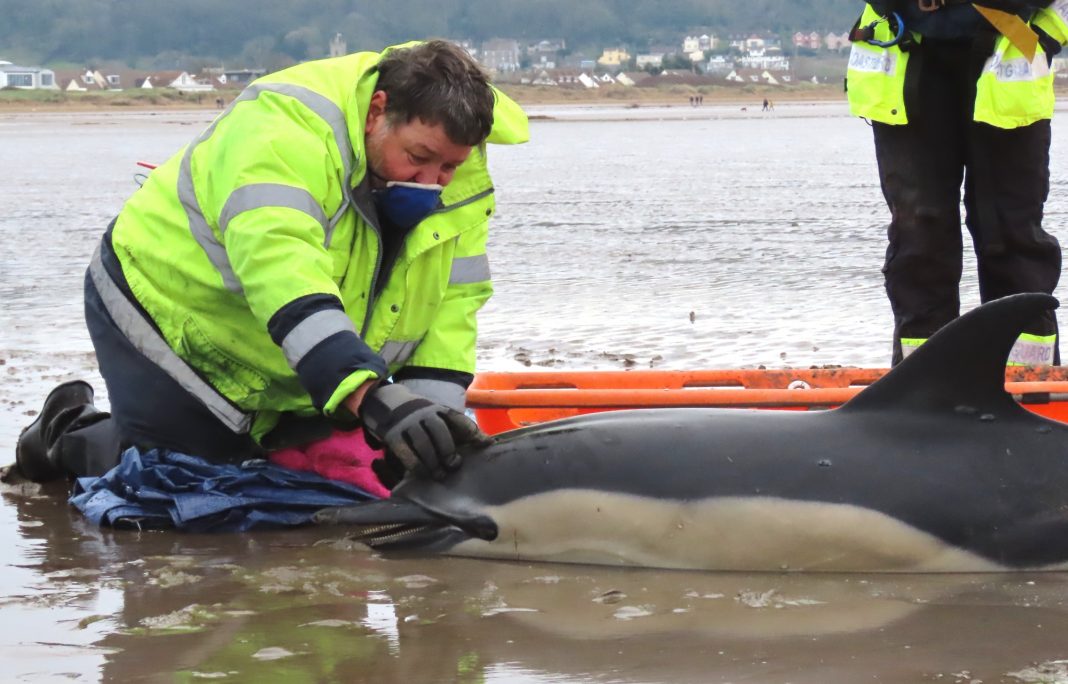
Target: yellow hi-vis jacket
<point>255,251</point>
<point>1011,91</point>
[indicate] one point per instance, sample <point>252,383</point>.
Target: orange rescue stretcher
<point>505,401</point>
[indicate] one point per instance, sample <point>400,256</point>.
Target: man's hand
<point>423,435</point>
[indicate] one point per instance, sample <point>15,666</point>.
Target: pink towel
<point>342,456</point>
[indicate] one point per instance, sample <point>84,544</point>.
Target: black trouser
<point>1006,181</point>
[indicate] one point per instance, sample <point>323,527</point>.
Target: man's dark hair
<point>438,83</point>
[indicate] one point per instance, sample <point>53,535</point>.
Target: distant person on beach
<point>953,94</point>
<point>766,105</point>
<point>325,233</point>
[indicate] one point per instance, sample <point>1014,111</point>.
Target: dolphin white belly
<point>724,533</point>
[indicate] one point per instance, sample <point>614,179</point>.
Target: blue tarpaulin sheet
<point>161,489</point>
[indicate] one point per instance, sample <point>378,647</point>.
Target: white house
<point>772,61</point>
<point>181,81</point>
<point>544,79</point>
<point>87,79</point>
<point>719,64</point>
<point>26,78</point>
<point>649,60</point>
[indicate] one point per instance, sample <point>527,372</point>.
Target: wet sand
<point>98,605</point>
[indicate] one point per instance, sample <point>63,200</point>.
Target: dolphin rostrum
<point>933,468</point>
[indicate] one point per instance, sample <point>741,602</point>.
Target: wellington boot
<point>31,452</point>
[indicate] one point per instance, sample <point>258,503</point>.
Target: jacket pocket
<point>234,379</point>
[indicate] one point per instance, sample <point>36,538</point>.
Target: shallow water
<point>613,226</point>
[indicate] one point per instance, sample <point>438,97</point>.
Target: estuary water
<point>652,237</point>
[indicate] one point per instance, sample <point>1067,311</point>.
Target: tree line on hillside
<point>169,34</point>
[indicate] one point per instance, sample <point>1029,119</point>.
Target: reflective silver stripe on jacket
<point>398,352</point>
<point>472,269</point>
<point>147,341</point>
<point>443,392</point>
<point>313,330</point>
<point>259,195</point>
<point>1032,352</point>
<point>202,232</point>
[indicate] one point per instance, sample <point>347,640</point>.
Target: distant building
<point>754,76</point>
<point>754,43</point>
<point>338,46</point>
<point>542,61</point>
<point>26,78</point>
<point>567,78</point>
<point>613,57</point>
<point>719,64</point>
<point>94,80</point>
<point>546,47</point>
<point>500,55</point>
<point>629,78</point>
<point>764,60</point>
<point>836,41</point>
<point>233,78</point>
<point>468,46</point>
<point>701,43</point>
<point>811,40</point>
<point>649,60</point>
<point>544,78</point>
<point>181,81</point>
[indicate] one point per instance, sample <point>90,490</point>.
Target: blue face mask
<point>406,204</point>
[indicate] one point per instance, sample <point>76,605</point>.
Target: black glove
<point>423,435</point>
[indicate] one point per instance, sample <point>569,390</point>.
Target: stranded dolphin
<point>932,468</point>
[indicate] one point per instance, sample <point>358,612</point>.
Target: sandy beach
<point>13,101</point>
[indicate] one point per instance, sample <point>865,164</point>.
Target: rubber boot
<point>62,408</point>
<point>90,447</point>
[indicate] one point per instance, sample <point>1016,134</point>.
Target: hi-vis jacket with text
<point>255,252</point>
<point>1011,92</point>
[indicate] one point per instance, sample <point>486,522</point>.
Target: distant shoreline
<point>19,102</point>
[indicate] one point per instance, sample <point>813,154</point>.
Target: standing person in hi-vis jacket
<point>961,91</point>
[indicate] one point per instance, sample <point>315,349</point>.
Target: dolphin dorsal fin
<point>963,364</point>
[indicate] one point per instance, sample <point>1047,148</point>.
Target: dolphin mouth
<point>384,536</point>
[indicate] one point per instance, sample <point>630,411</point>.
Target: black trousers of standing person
<point>1006,181</point>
